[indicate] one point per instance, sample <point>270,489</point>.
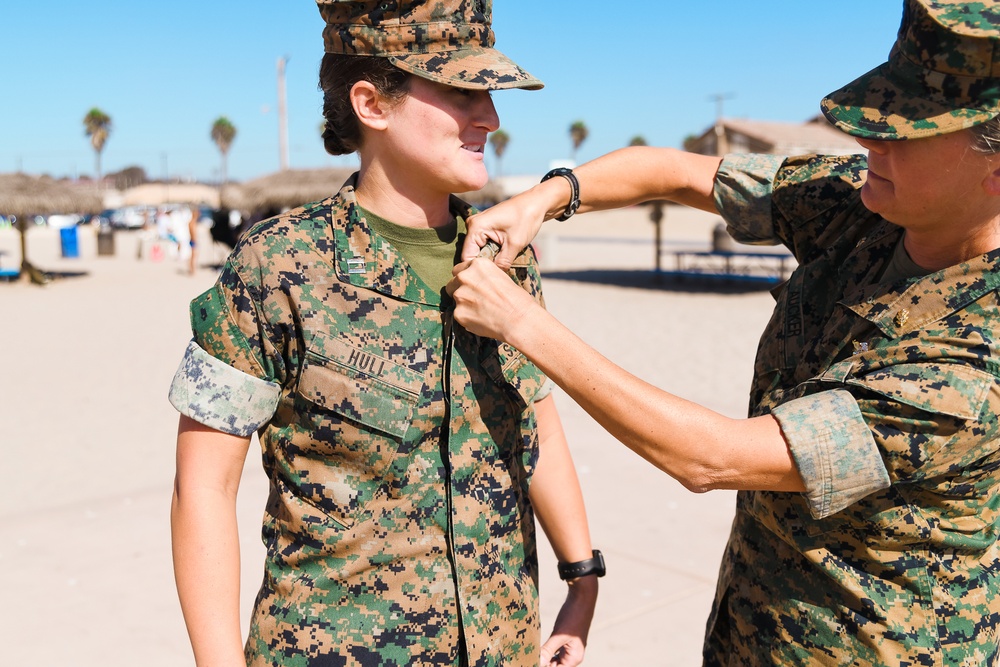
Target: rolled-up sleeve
<point>743,186</point>
<point>219,396</point>
<point>834,450</point>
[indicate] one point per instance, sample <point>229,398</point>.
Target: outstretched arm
<point>700,448</point>
<point>622,178</point>
<point>205,540</point>
<point>558,503</point>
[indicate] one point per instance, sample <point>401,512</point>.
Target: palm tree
<point>223,132</point>
<point>499,141</point>
<point>97,126</point>
<point>638,140</point>
<point>578,134</point>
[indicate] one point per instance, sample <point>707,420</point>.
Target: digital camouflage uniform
<point>887,395</point>
<point>399,449</point>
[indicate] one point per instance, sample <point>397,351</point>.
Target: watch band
<point>574,184</point>
<point>582,568</point>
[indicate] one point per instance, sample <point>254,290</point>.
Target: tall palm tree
<point>499,141</point>
<point>223,132</point>
<point>578,134</point>
<point>638,140</point>
<point>97,126</point>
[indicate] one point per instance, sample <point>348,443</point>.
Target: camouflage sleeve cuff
<point>219,396</point>
<point>743,186</point>
<point>545,391</point>
<point>833,449</point>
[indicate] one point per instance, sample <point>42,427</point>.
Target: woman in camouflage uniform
<point>407,458</point>
<point>867,520</point>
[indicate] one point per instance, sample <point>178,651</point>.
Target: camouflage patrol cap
<point>447,41</point>
<point>943,75</point>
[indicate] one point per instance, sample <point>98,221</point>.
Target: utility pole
<point>282,115</point>
<point>721,145</point>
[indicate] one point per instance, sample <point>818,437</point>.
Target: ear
<point>370,108</point>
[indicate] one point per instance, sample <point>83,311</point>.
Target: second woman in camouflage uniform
<point>868,516</point>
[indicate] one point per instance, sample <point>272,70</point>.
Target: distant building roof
<point>816,135</point>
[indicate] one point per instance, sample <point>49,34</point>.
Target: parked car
<point>133,217</point>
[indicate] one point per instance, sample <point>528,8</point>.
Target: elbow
<point>697,477</point>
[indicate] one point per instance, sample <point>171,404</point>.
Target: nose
<point>486,112</point>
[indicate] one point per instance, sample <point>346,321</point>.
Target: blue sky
<point>165,70</point>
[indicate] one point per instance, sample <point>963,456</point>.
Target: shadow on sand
<point>666,280</point>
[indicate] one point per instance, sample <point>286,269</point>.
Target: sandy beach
<point>88,441</point>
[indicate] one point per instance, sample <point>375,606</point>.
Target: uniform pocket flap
<point>363,387</point>
<point>947,389</point>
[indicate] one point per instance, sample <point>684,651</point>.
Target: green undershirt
<point>430,253</point>
<point>901,267</point>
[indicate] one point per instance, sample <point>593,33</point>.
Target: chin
<point>870,199</point>
<point>471,182</point>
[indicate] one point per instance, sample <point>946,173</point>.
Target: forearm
<point>205,540</point>
<point>555,492</point>
<point>639,174</point>
<point>207,570</point>
<point>558,503</point>
<point>700,448</point>
<point>629,176</point>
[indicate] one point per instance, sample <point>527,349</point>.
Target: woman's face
<point>437,136</point>
<point>922,184</point>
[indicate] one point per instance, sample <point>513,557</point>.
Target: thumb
<point>473,244</point>
<point>505,256</point>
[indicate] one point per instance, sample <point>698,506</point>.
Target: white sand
<point>88,438</point>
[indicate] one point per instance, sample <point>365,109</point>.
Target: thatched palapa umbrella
<point>287,189</point>
<point>291,188</point>
<point>23,196</point>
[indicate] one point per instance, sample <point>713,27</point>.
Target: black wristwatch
<point>574,200</point>
<point>582,568</point>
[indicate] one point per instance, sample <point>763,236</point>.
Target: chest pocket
<point>359,407</point>
<point>955,390</point>
<point>365,387</point>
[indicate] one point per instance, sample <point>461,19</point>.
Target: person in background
<point>867,519</point>
<point>407,458</point>
<point>195,213</point>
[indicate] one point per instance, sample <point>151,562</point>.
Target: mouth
<point>872,176</point>
<point>474,148</point>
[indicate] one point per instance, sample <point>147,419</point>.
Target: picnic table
<point>736,266</point>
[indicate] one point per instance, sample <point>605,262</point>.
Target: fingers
<point>561,651</point>
<point>475,241</point>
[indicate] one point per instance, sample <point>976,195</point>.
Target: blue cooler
<point>69,242</point>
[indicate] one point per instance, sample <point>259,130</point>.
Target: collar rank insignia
<point>355,264</point>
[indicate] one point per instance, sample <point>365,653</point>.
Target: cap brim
<point>893,102</point>
<point>476,68</point>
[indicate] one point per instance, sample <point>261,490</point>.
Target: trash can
<point>69,242</point>
<point>105,241</point>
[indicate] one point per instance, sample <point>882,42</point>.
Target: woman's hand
<point>566,646</point>
<point>513,223</point>
<point>487,302</point>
